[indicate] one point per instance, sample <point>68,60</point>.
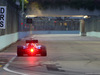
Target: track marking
<point>6,68</point>
<point>92,73</point>
<point>0,65</point>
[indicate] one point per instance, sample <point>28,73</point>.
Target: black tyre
<point>43,51</point>
<point>19,50</point>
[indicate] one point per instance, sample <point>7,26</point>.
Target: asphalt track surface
<point>66,55</point>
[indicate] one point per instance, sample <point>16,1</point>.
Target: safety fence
<point>54,24</point>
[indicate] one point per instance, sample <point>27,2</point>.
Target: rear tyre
<point>43,51</point>
<point>19,50</point>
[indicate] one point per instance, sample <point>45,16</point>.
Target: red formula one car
<point>31,49</point>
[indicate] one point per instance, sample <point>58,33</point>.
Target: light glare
<point>32,50</point>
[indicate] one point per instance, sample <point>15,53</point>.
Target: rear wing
<point>31,41</point>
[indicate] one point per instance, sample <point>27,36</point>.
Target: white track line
<point>6,68</point>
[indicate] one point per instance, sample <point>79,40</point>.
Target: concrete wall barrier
<point>23,34</point>
<point>56,32</point>
<point>8,39</point>
<point>93,34</point>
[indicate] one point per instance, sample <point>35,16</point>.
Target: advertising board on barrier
<point>2,17</point>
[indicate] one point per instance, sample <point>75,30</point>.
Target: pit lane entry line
<point>6,67</point>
